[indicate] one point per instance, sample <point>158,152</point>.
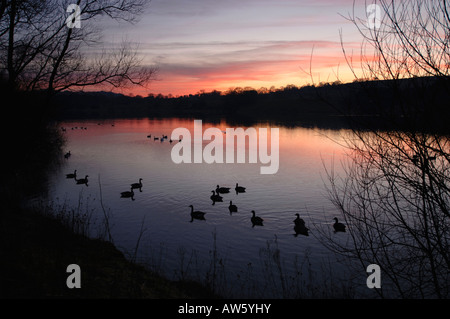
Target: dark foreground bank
<point>35,248</point>
<point>35,251</point>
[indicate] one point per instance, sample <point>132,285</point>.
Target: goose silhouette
<point>338,227</point>
<point>298,221</point>
<point>83,180</point>
<point>67,155</point>
<point>73,175</point>
<point>301,230</point>
<point>239,189</point>
<point>216,197</point>
<point>196,214</point>
<point>300,226</point>
<point>256,220</point>
<point>232,208</point>
<point>128,194</point>
<point>222,190</point>
<point>137,185</point>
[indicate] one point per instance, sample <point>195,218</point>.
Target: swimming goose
<point>83,180</point>
<point>239,189</point>
<point>216,197</point>
<point>256,220</point>
<point>74,175</point>
<point>298,221</point>
<point>67,155</point>
<point>301,230</point>
<point>338,227</point>
<point>233,208</point>
<point>137,185</point>
<point>196,214</point>
<point>127,194</point>
<point>222,189</point>
<point>300,226</point>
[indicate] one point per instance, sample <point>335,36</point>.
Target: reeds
<point>271,276</point>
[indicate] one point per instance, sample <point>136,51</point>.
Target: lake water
<point>225,250</point>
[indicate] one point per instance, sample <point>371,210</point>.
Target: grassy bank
<point>35,251</point>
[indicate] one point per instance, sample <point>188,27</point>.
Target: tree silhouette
<point>41,52</point>
<point>395,192</point>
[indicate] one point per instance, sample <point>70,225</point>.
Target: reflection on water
<point>177,207</point>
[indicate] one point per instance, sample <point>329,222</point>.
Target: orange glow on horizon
<point>256,74</point>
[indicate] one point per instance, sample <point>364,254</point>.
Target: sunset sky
<point>216,45</point>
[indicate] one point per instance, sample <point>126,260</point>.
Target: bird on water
<point>83,180</point>
<point>137,185</point>
<point>300,226</point>
<point>128,194</point>
<point>73,175</point>
<point>196,214</point>
<point>222,190</point>
<point>232,208</point>
<point>338,227</point>
<point>256,220</point>
<point>216,197</point>
<point>239,189</point>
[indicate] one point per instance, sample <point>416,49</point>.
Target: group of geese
<point>78,180</point>
<point>74,128</point>
<point>299,224</point>
<point>161,138</point>
<point>130,193</point>
<point>216,197</point>
<point>126,194</point>
<point>301,229</point>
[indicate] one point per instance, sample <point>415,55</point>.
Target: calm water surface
<point>117,153</point>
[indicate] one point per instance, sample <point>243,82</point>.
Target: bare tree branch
<point>395,192</point>
<point>43,53</point>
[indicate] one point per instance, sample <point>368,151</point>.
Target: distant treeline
<point>418,103</point>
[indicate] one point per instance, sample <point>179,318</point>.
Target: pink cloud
<point>180,79</point>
